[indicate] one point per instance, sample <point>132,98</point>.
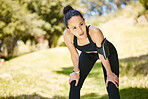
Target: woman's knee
<point>113,91</point>
<point>72,85</point>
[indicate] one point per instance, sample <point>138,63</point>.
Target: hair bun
<point>67,9</point>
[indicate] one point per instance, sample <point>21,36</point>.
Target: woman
<point>89,40</point>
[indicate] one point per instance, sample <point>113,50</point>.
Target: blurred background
<point>35,62</point>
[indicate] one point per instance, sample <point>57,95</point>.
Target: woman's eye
<point>74,27</point>
<point>81,23</point>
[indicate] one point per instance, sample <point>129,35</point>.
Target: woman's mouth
<point>81,34</point>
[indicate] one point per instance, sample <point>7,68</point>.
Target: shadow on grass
<point>59,97</point>
<point>134,65</point>
<point>94,72</point>
<point>134,93</point>
<point>65,70</point>
<point>90,96</point>
<point>127,93</point>
<point>12,57</point>
<point>34,96</point>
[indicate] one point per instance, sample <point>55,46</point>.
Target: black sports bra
<point>91,47</point>
<point>88,47</point>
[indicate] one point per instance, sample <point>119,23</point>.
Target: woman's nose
<point>80,30</point>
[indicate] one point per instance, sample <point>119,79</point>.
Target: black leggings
<point>86,62</point>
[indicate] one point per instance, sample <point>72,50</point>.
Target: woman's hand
<point>74,76</point>
<point>112,78</point>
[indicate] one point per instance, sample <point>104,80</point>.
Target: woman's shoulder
<point>95,32</point>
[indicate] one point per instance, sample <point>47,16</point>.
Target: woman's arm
<point>74,53</point>
<point>98,38</point>
<point>68,39</point>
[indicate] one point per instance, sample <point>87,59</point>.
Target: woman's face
<point>77,26</point>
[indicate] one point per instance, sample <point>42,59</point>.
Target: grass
<point>33,73</point>
<point>44,74</point>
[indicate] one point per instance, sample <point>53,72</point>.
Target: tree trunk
<point>11,44</point>
<point>1,44</point>
<point>50,40</point>
<point>10,48</point>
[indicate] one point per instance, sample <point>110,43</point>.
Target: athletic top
<point>91,47</point>
<point>88,47</point>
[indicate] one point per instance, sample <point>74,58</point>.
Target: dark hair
<point>69,12</point>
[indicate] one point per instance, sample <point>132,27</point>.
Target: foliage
<point>99,7</point>
<point>144,3</point>
<point>28,19</point>
<point>17,24</point>
<point>131,10</point>
<point>51,11</point>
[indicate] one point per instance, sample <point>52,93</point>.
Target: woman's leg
<point>113,91</point>
<point>86,62</point>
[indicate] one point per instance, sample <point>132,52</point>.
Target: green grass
<point>33,73</point>
<point>44,74</point>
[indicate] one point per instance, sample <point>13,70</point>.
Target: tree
<point>51,11</point>
<point>99,7</point>
<point>16,23</point>
<point>144,3</point>
<point>28,19</point>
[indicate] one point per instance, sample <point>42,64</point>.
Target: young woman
<point>93,46</point>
